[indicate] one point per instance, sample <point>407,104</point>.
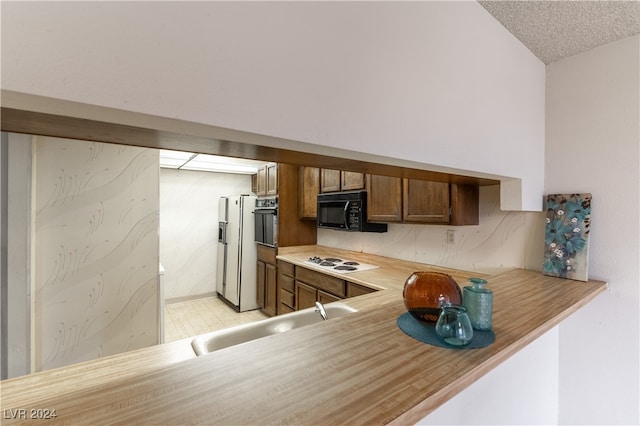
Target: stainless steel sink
<point>209,342</point>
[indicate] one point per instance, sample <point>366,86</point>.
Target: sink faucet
<point>320,309</point>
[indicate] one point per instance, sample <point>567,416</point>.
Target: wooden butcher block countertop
<point>355,369</point>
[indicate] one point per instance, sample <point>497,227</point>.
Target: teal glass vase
<point>453,326</point>
<point>479,303</point>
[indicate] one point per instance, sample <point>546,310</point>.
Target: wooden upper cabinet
<point>465,204</point>
<point>440,203</point>
<point>340,180</point>
<point>291,230</point>
<point>261,182</point>
<point>425,202</point>
<point>391,199</point>
<point>272,178</point>
<point>329,180</point>
<point>254,183</point>
<point>267,180</point>
<point>351,181</point>
<point>308,192</point>
<point>384,198</point>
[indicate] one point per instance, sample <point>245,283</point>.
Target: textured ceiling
<point>553,30</point>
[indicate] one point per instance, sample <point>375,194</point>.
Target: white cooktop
<point>341,266</point>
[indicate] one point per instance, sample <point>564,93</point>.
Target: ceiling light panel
<point>208,163</point>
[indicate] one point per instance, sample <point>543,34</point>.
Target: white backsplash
<point>501,240</point>
<point>96,250</point>
<point>189,228</point>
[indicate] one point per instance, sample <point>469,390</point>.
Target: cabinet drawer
<point>286,268</point>
<point>286,282</point>
<point>267,254</point>
<point>287,298</point>
<point>321,281</point>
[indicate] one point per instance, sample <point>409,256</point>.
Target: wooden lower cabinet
<point>321,281</point>
<point>286,288</point>
<point>271,291</point>
<point>261,283</point>
<point>266,280</point>
<point>324,297</point>
<point>354,290</point>
<point>306,295</point>
<point>300,288</point>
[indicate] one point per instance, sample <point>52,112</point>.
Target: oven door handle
<point>346,214</point>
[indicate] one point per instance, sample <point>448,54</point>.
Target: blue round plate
<point>426,333</point>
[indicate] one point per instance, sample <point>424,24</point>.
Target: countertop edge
<point>519,334</point>
<point>427,406</point>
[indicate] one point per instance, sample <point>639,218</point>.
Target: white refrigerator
<point>237,252</point>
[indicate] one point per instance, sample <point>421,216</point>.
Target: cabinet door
<point>351,181</point>
<point>324,297</point>
<point>329,180</point>
<point>271,290</point>
<point>425,201</point>
<point>261,283</point>
<point>465,204</point>
<point>261,181</point>
<point>355,290</point>
<point>308,196</point>
<point>305,296</point>
<point>384,198</point>
<point>272,179</point>
<point>254,183</point>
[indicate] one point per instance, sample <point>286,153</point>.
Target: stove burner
<point>326,263</point>
<point>345,268</point>
<point>332,259</point>
<point>351,263</point>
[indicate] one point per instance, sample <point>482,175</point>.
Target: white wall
<point>439,85</point>
<point>593,145</point>
<point>189,228</point>
<point>95,250</point>
<point>523,390</point>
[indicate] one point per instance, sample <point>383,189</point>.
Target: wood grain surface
<point>355,369</point>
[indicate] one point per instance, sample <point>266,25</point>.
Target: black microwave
<point>346,211</point>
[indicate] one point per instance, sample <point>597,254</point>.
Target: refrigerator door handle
<point>222,232</point>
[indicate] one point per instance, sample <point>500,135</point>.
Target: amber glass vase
<point>425,292</point>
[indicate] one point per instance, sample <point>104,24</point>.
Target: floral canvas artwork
<point>568,223</point>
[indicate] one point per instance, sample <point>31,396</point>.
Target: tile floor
<point>193,317</point>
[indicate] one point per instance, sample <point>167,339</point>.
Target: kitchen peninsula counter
<point>356,369</point>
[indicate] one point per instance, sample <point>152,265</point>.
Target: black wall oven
<point>346,211</point>
<point>266,221</point>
